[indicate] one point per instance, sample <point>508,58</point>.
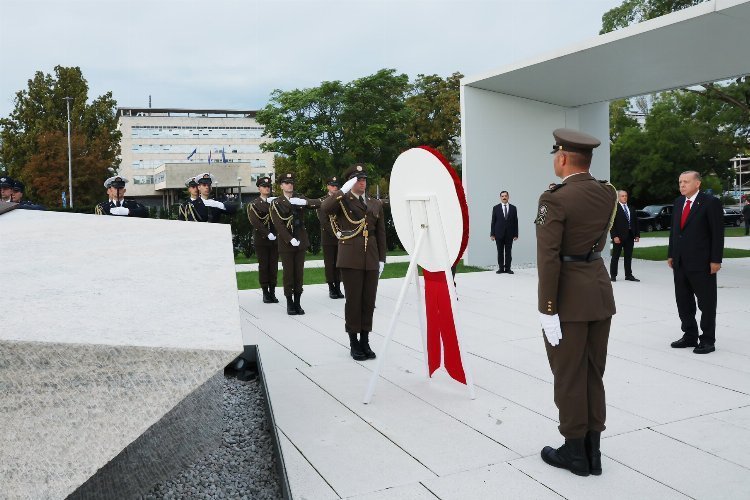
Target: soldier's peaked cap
<point>18,186</point>
<point>263,181</point>
<point>190,182</point>
<point>288,177</point>
<point>356,170</point>
<point>204,178</point>
<point>6,182</point>
<point>567,139</point>
<point>333,181</point>
<point>116,181</point>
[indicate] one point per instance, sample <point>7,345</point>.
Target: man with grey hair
<point>696,247</point>
<point>624,233</point>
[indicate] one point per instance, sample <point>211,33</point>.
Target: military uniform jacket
<point>571,219</point>
<point>136,209</point>
<point>362,240</point>
<point>327,236</point>
<point>258,212</point>
<point>27,205</point>
<point>197,211</point>
<point>289,221</point>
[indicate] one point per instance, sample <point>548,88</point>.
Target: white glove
<point>119,211</point>
<point>381,266</point>
<point>298,201</point>
<point>551,328</point>
<point>271,236</point>
<point>294,242</point>
<point>348,185</point>
<point>271,198</point>
<point>213,203</point>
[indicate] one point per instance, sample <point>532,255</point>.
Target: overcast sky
<point>233,53</point>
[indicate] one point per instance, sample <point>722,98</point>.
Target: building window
<point>143,179</point>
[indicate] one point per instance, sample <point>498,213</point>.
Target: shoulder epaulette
<point>555,188</point>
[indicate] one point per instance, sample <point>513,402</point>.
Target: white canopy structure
<point>507,116</point>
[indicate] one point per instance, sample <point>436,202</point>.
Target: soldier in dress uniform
<point>576,303</point>
<point>264,239</point>
<point>209,209</point>
<point>17,197</point>
<point>188,211</point>
<point>360,228</point>
<point>6,189</point>
<point>288,218</point>
<point>330,243</point>
<point>118,204</point>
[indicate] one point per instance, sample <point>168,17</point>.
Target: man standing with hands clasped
<point>504,231</point>
<point>576,303</point>
<point>625,233</point>
<point>696,247</point>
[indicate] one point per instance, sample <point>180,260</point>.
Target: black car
<point>732,217</point>
<point>655,218</point>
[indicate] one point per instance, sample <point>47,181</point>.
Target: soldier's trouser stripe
<point>360,287</point>
<point>577,365</point>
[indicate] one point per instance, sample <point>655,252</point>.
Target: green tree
<point>636,11</point>
<point>33,138</point>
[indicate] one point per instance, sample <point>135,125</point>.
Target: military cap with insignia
<point>204,178</point>
<point>333,181</point>
<point>6,182</point>
<point>357,170</point>
<point>573,141</point>
<point>264,181</point>
<point>286,178</point>
<point>18,186</point>
<point>116,181</point>
<point>190,182</point>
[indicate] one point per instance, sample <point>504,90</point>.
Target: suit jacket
<point>352,252</point>
<point>327,237</point>
<point>571,219</point>
<point>289,221</point>
<point>500,227</point>
<point>621,228</point>
<point>701,241</point>
<point>136,209</point>
<point>258,212</point>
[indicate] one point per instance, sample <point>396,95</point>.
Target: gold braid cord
<point>360,226</point>
<point>183,212</point>
<point>265,220</point>
<point>614,209</point>
<point>287,220</point>
<point>98,210</point>
<point>188,211</point>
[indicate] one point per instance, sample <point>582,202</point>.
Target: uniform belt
<point>581,258</point>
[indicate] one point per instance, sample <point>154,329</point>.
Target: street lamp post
<point>239,189</point>
<point>70,156</point>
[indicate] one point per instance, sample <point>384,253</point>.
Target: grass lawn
<point>241,259</point>
<point>316,276</point>
<point>729,232</point>
<point>660,253</point>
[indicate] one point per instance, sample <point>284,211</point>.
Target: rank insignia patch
<point>541,216</point>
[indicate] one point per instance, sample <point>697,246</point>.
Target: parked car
<point>655,218</point>
<point>732,217</point>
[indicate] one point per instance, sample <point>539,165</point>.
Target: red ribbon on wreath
<point>442,341</point>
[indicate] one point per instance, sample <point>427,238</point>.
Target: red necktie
<point>685,213</point>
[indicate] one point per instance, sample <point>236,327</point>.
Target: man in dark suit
<point>624,234</point>
<point>504,231</point>
<point>696,246</point>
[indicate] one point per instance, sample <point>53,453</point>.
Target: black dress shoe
<point>704,348</point>
<point>683,342</point>
<point>570,456</point>
<point>509,272</point>
<point>356,348</point>
<point>499,271</point>
<point>593,452</point>
<point>631,278</point>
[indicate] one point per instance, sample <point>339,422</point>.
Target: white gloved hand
<point>271,198</point>
<point>213,203</point>
<point>119,210</point>
<point>271,236</point>
<point>298,201</point>
<point>348,185</point>
<point>381,266</point>
<point>294,242</point>
<point>551,328</point>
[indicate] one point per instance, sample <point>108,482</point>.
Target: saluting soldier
<point>360,228</point>
<point>188,211</point>
<point>330,243</point>
<point>264,239</point>
<point>117,203</point>
<point>575,298</point>
<point>288,218</point>
<point>209,209</point>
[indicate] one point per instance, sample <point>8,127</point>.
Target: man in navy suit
<point>696,246</point>
<point>504,231</point>
<point>624,233</point>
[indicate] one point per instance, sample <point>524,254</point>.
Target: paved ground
<point>678,423</point>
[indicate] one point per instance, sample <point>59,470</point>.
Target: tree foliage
<point>34,137</point>
<point>636,11</point>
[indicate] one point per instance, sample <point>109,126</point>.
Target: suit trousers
<point>577,364</point>
<point>504,247</point>
<point>330,253</point>
<point>268,264</point>
<point>293,264</point>
<point>625,244</point>
<point>689,286</point>
<point>361,287</point>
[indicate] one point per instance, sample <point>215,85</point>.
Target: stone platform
<point>115,331</point>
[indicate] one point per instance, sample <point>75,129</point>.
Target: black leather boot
<point>272,294</point>
<point>290,308</point>
<point>339,294</point>
<point>364,341</point>
<point>332,290</point>
<point>298,307</point>
<point>570,456</point>
<point>593,453</point>
<point>356,348</point>
<point>266,295</point>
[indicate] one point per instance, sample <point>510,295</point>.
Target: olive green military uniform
<point>258,212</point>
